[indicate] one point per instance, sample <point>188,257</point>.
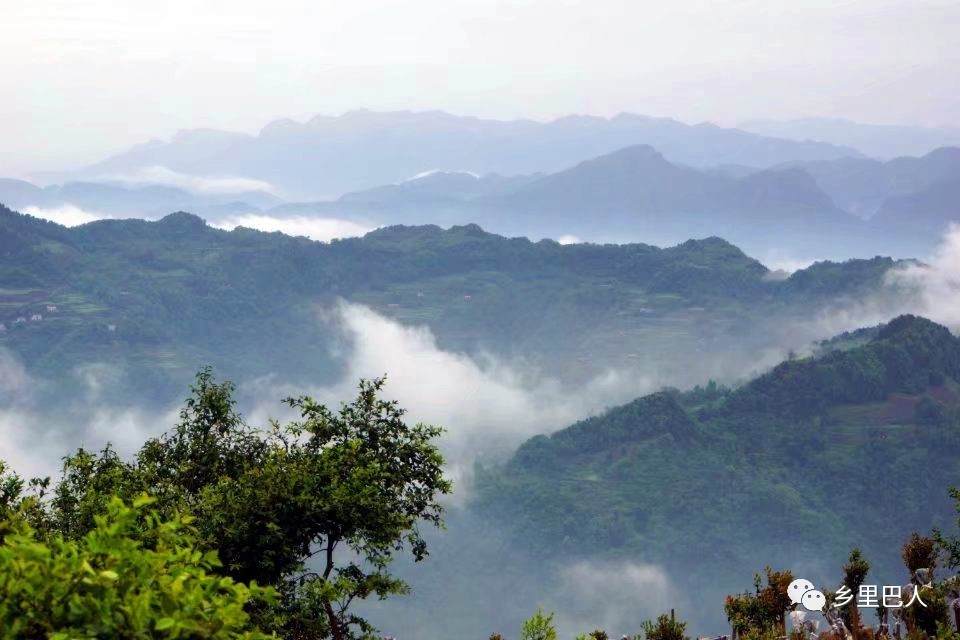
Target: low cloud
<point>486,405</point>
<point>160,175</point>
<point>67,215</point>
<point>37,433</point>
<point>14,380</point>
<point>612,595</point>
<point>935,283</point>
<point>778,260</point>
<point>433,172</point>
<point>929,288</point>
<point>569,239</point>
<point>320,229</point>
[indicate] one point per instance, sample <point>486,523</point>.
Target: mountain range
<point>328,156</point>
<point>159,297</point>
<point>863,186</point>
<point>883,141</point>
<point>626,178</point>
<point>636,193</point>
<point>116,199</point>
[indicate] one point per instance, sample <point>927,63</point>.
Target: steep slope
<point>637,179</point>
<point>857,446</point>
<point>932,208</point>
<point>863,186</point>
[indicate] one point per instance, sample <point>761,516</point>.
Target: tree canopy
<point>315,509</point>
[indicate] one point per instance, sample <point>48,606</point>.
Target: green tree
<point>949,545</point>
<point>664,628</point>
<point>539,627</point>
<point>919,552</point>
<point>764,610</point>
<point>596,634</point>
<point>110,584</point>
<point>854,573</point>
<point>316,508</point>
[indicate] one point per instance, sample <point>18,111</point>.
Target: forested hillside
<point>162,297</point>
<point>854,447</point>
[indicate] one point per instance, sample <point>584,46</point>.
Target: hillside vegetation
<point>853,447</point>
<point>157,298</point>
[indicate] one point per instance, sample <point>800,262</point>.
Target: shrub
<point>110,583</point>
<point>665,628</point>
<point>539,627</point>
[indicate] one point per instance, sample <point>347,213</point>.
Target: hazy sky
<point>87,77</point>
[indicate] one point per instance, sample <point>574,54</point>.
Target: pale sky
<point>84,78</point>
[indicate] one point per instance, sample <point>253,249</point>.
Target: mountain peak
<point>909,355</point>
<point>907,326</point>
<point>951,154</point>
<point>182,220</point>
<point>642,152</point>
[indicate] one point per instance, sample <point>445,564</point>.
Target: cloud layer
<point>320,229</point>
<point>38,432</point>
<point>209,185</point>
<point>936,282</point>
<point>486,405</point>
<point>67,214</point>
<point>929,288</point>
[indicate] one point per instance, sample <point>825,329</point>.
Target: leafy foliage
<point>664,628</point>
<point>919,552</point>
<point>316,508</point>
<point>765,609</point>
<point>538,627</point>
<point>133,575</point>
<point>949,545</point>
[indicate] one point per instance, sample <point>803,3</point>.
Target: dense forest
<point>159,297</point>
<point>853,447</point>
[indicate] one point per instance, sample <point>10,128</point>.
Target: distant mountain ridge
<point>633,193</point>
<point>863,186</point>
<point>125,200</point>
<point>330,156</point>
<point>882,141</point>
<point>636,192</point>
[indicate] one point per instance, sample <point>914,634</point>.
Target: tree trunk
<point>336,631</point>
